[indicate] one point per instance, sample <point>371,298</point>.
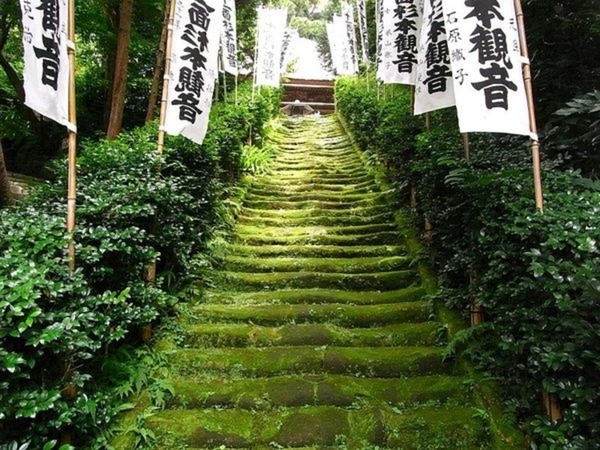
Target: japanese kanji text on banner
<point>483,41</point>
<point>361,8</point>
<point>435,86</point>
<point>346,64</point>
<point>271,28</point>
<point>400,29</point>
<point>348,16</point>
<point>46,75</point>
<point>229,38</point>
<point>197,27</point>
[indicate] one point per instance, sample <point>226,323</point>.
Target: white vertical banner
<point>348,16</point>
<point>271,29</point>
<point>229,38</point>
<point>346,63</point>
<point>194,57</point>
<point>46,74</point>
<point>379,33</point>
<point>333,47</point>
<point>483,41</point>
<point>401,23</point>
<point>289,36</point>
<point>435,85</point>
<point>361,9</point>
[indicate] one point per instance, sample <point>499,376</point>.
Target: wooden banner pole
<point>236,89</point>
<point>166,80</point>
<point>467,146</point>
<point>535,144</point>
<point>72,158</point>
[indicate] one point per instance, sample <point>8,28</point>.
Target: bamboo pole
<point>166,80</point>
<point>72,158</point>
<point>236,89</point>
<point>535,144</point>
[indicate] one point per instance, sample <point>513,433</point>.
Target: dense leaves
<point>535,275</point>
<point>133,207</point>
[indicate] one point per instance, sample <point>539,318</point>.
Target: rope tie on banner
<point>70,44</point>
<point>170,27</point>
<point>525,60</point>
<point>534,137</point>
<point>71,127</point>
<point>162,128</point>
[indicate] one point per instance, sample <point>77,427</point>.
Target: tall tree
<point>160,65</point>
<point>119,85</point>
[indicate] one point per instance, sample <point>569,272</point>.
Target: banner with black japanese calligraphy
<point>348,17</point>
<point>333,47</point>
<point>229,38</point>
<point>435,86</point>
<point>346,63</point>
<point>361,8</point>
<point>271,29</point>
<point>401,26</point>
<point>46,74</point>
<point>379,34</point>
<point>483,41</point>
<point>194,58</point>
<point>289,36</point>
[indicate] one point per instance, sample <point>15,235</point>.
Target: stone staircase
<point>317,334</point>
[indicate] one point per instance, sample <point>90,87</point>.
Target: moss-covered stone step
<point>324,220</point>
<point>345,315</point>
<point>380,238</point>
<point>361,211</point>
<point>444,427</point>
<point>349,197</point>
<point>241,335</point>
<point>317,296</point>
<point>330,265</point>
<point>268,188</point>
<point>313,204</point>
<point>345,230</point>
<point>318,390</point>
<point>308,178</point>
<point>323,251</point>
<point>374,362</point>
<point>246,282</point>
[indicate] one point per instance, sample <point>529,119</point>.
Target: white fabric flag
<point>194,58</point>
<point>483,40</point>
<point>229,38</point>
<point>289,36</point>
<point>361,9</point>
<point>348,16</point>
<point>46,74</point>
<point>346,62</point>
<point>271,28</point>
<point>333,47</point>
<point>401,28</point>
<point>379,33</point>
<point>435,85</point>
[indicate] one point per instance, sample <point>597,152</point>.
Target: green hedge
<point>133,206</point>
<point>536,275</point>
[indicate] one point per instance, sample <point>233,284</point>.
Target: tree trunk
<point>5,194</point>
<point>119,89</point>
<point>160,65</point>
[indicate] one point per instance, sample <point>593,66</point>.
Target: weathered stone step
<point>321,251</point>
<point>385,281</point>
<point>361,211</point>
<point>317,296</point>
<point>319,390</point>
<point>318,153</point>
<point>345,197</point>
<point>374,362</point>
<point>325,220</point>
<point>329,265</point>
<point>381,238</point>
<point>453,427</point>
<point>255,335</point>
<point>312,178</point>
<point>314,204</point>
<point>268,188</point>
<point>342,315</point>
<point>333,175</point>
<point>246,231</point>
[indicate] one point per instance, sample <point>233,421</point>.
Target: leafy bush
<point>535,275</point>
<point>133,207</point>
